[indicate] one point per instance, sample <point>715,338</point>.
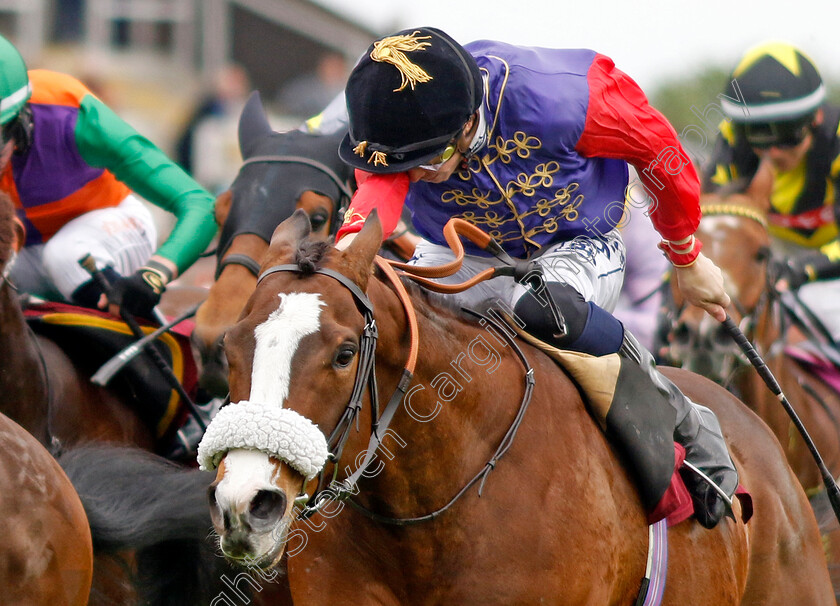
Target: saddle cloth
<point>815,362</point>
<point>90,338</point>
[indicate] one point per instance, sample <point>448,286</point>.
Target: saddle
<point>90,338</point>
<point>661,487</point>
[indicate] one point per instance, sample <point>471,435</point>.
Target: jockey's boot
<point>185,443</point>
<point>699,432</point>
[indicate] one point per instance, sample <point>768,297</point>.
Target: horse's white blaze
<point>277,341</point>
<point>246,472</point>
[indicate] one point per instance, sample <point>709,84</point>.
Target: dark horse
<point>50,395</point>
<point>734,234</point>
<point>280,172</point>
<point>46,556</point>
<point>558,521</point>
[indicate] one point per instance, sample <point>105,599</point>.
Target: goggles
<point>784,135</point>
<point>478,141</point>
<point>439,160</point>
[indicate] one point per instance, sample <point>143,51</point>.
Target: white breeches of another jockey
<point>123,237</point>
<point>593,266</point>
<point>822,299</point>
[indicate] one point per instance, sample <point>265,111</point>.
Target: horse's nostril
<point>268,504</point>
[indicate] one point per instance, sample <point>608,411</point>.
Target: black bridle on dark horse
<point>344,199</point>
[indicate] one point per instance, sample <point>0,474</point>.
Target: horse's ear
<point>253,125</point>
<point>761,186</point>
<point>289,233</point>
<point>222,207</point>
<point>357,260</point>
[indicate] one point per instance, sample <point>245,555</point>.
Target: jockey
<point>781,120</point>
<point>532,145</point>
<point>71,165</point>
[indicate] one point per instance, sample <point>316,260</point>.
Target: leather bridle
<point>365,379</point>
<point>330,489</point>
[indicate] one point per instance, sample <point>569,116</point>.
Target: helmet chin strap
<point>480,137</point>
<point>22,130</point>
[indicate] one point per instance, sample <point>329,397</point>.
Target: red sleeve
<point>386,193</point>
<point>620,123</point>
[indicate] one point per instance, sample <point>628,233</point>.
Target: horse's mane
<point>6,228</point>
<point>310,255</point>
<point>736,186</point>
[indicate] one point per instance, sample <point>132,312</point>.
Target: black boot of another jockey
<point>698,431</point>
<point>591,329</point>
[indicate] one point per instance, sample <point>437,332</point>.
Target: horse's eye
<point>344,355</point>
<point>318,220</point>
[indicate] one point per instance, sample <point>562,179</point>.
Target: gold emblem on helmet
<point>359,150</point>
<point>392,50</point>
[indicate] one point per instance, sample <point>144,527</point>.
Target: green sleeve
<point>107,141</point>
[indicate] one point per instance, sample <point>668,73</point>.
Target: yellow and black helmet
<point>777,83</point>
<point>407,98</point>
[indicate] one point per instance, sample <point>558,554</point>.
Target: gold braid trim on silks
<point>392,50</point>
<point>352,217</point>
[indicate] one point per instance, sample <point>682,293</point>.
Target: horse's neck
<point>21,369</point>
<point>766,330</point>
<point>466,389</point>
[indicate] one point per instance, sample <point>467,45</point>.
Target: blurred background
<point>180,70</point>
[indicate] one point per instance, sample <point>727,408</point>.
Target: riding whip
<point>755,359</point>
<point>107,371</point>
<point>89,264</point>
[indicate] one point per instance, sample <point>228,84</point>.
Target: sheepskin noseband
<point>279,432</point>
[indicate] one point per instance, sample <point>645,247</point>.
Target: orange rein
<point>453,228</point>
<point>411,315</point>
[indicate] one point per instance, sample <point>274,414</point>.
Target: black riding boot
<point>699,432</point>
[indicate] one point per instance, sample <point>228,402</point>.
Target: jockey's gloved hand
<point>140,292</point>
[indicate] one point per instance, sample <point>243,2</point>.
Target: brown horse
<point>46,555</point>
<point>558,520</point>
<point>44,390</point>
<point>734,234</point>
<point>50,395</point>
